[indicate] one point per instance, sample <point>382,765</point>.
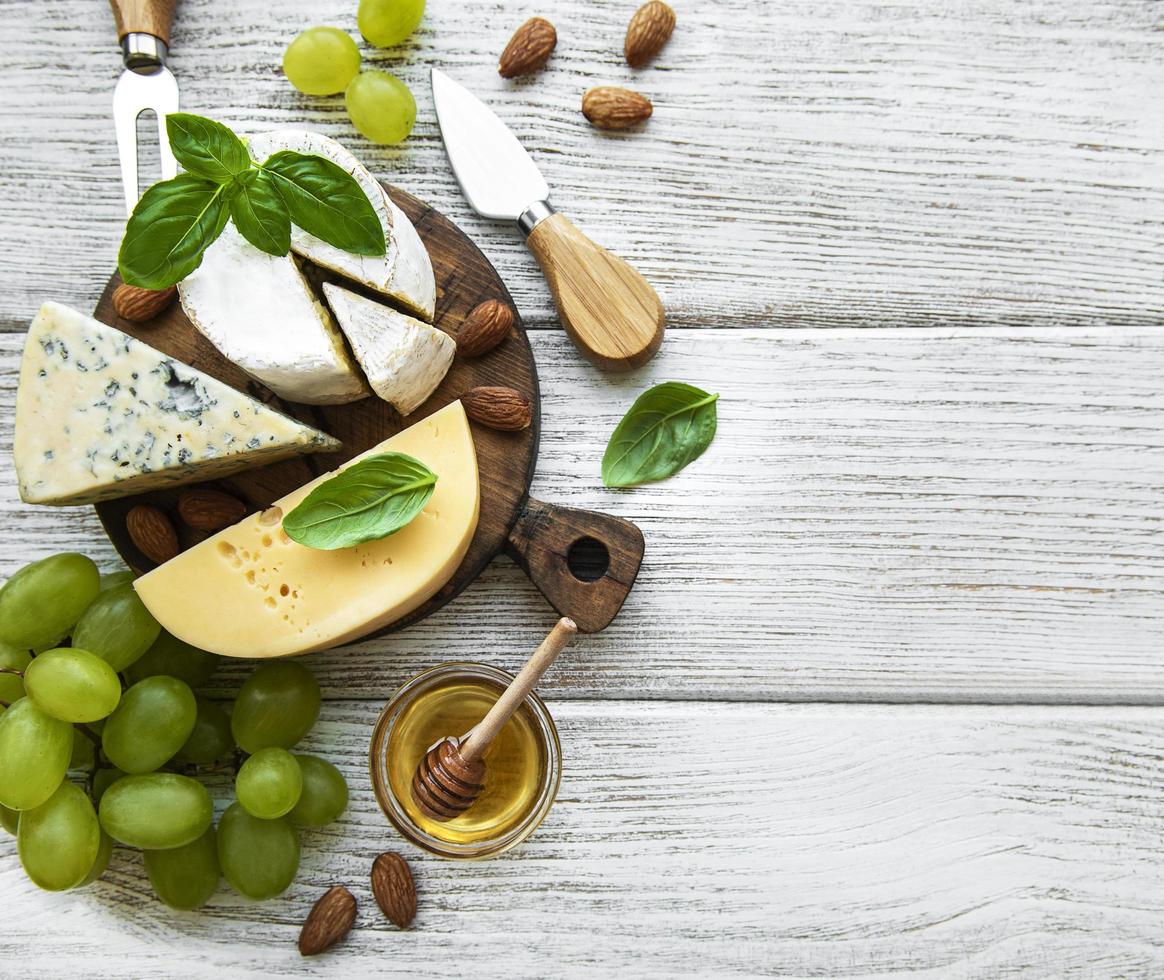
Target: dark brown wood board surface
<point>605,552</point>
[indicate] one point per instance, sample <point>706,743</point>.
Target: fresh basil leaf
<point>260,214</point>
<point>206,148</point>
<point>326,201</point>
<point>368,501</point>
<point>666,428</point>
<point>173,224</point>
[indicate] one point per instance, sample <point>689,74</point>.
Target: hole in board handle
<point>588,559</point>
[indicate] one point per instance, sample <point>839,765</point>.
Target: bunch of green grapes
<point>90,685</point>
<point>326,61</point>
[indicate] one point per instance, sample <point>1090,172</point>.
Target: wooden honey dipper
<point>451,775</point>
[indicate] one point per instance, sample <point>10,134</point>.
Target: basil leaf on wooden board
<point>260,214</point>
<point>206,148</point>
<point>666,428</point>
<point>173,224</point>
<point>326,201</point>
<point>368,501</point>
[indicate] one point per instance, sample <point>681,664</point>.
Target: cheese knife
<point>609,310</point>
<point>143,28</point>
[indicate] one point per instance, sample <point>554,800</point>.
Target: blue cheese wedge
<point>403,358</point>
<point>404,272</point>
<point>260,312</point>
<point>100,415</point>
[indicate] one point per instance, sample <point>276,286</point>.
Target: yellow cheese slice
<point>250,591</point>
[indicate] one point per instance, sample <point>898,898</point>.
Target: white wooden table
<point>887,697</point>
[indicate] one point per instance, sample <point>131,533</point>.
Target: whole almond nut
<point>152,532</point>
<point>330,919</point>
<point>394,888</point>
<point>609,107</point>
<point>484,328</point>
<point>135,303</point>
<point>647,32</point>
<point>498,408</point>
<point>210,510</point>
<point>528,49</point>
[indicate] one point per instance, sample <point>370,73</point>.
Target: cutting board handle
<point>563,551</point>
<point>143,17</point>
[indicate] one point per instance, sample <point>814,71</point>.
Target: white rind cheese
<point>404,272</point>
<point>100,415</point>
<point>260,312</point>
<point>403,358</point>
<point>250,591</point>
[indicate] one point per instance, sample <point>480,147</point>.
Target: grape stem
<point>11,670</point>
<point>95,739</point>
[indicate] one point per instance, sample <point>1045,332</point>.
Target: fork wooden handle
<point>143,17</point>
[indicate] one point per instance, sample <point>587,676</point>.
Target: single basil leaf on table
<point>206,148</point>
<point>173,224</point>
<point>326,201</point>
<point>666,428</point>
<point>368,501</point>
<point>260,214</point>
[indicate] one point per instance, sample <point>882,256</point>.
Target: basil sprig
<point>368,501</point>
<point>666,428</point>
<point>177,220</point>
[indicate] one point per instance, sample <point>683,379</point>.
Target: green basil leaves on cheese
<point>177,220</point>
<point>666,428</point>
<point>368,501</point>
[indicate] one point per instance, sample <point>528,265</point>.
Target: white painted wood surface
<point>965,511</point>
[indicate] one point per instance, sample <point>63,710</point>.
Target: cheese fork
<point>143,28</point>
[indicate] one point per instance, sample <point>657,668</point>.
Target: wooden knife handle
<point>609,310</point>
<point>143,17</point>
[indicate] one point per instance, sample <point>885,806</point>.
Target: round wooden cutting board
<point>563,550</point>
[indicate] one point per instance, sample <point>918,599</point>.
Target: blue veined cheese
<point>403,359</point>
<point>100,415</point>
<point>404,271</point>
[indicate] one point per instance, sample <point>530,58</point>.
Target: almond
<point>498,408</point>
<point>528,49</point>
<point>484,328</point>
<point>152,532</point>
<point>608,107</point>
<point>135,303</point>
<point>647,32</point>
<point>330,919</point>
<point>394,888</point>
<point>210,510</point>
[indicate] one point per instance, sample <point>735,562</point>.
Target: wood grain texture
<point>855,163</point>
<point>144,17</point>
<point>844,841</point>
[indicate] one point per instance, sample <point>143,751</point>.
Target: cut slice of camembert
<point>250,591</point>
<point>100,415</point>
<point>403,358</point>
<point>260,312</point>
<point>404,271</point>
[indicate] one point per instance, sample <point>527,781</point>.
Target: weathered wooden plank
<point>808,164</point>
<point>886,515</point>
<point>727,840</point>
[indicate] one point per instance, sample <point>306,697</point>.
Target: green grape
<point>325,792</point>
<point>72,684</point>
<point>269,783</point>
<point>42,601</point>
<point>84,751</point>
<point>175,658</point>
<point>388,22</point>
<point>156,811</point>
<point>185,877</point>
<point>103,779</point>
<point>117,627</point>
<point>211,738</point>
<point>111,580</point>
<point>12,686</point>
<point>9,819</point>
<point>58,841</point>
<point>153,721</point>
<point>34,755</point>
<point>380,106</point>
<point>258,857</point>
<point>321,61</point>
<point>277,705</point>
<point>101,862</point>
